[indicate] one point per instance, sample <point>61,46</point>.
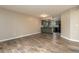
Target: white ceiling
<point>37,10</point>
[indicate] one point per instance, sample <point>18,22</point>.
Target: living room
<point>39,28</point>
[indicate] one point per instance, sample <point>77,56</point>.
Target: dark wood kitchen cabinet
<point>50,26</point>
<point>47,26</point>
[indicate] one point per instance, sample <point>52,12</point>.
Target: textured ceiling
<point>37,10</point>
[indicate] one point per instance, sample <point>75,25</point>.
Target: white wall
<point>70,25</point>
<point>14,25</point>
<point>74,25</point>
<point>65,24</point>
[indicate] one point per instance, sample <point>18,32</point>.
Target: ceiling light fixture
<point>43,15</point>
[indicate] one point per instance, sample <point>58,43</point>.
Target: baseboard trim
<point>19,37</point>
<point>69,38</point>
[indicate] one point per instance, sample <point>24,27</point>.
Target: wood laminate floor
<point>39,43</point>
